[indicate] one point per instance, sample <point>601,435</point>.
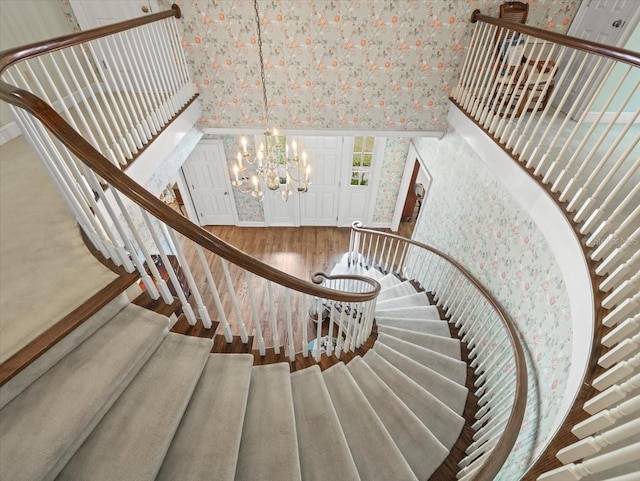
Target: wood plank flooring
<point>299,251</point>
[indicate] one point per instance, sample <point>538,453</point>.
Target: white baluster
<point>617,373</point>
<point>612,395</point>
<point>622,331</point>
<point>226,328</point>
<point>606,418</point>
<point>568,143</point>
<point>234,301</point>
<point>620,352</point>
<point>585,160</point>
<point>599,211</point>
<point>620,254</point>
<point>274,320</point>
<point>464,74</point>
<point>186,307</point>
<point>254,314</point>
<point>594,444</point>
<point>195,292</point>
<point>624,290</point>
<point>618,275</point>
<point>620,313</point>
<point>290,344</point>
<point>597,464</point>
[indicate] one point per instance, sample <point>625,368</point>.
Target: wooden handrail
<point>501,452</point>
<point>87,154</point>
<point>10,56</point>
<point>622,55</point>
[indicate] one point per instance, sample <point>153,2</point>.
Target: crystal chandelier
<point>272,167</point>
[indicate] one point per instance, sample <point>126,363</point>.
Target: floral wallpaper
<point>377,64</point>
<point>395,158</point>
<point>469,215</point>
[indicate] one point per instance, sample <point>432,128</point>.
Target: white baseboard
<point>624,118</point>
<point>251,223</point>
<point>9,132</point>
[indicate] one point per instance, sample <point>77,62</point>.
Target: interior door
<point>208,182</point>
<point>319,205</point>
<point>603,21</point>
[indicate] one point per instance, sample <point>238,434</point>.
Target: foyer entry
<point>344,180</point>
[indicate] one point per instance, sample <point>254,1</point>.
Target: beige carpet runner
<point>134,402</point>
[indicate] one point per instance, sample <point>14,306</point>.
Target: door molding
<point>412,156</point>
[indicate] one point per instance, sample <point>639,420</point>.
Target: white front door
<point>362,162</point>
<point>208,181</point>
<point>319,205</point>
<point>602,21</point>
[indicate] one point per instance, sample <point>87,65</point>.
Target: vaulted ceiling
<point>374,65</point>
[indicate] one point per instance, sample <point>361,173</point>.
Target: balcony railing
<point>567,110</point>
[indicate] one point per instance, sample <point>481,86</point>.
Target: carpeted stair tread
<point>66,403</point>
<point>324,453</point>
<point>417,299</point>
<point>379,460</point>
<point>453,369</point>
<point>418,445</point>
<point>375,274</point>
<point>428,326</point>
<point>405,288</point>
<point>448,391</point>
<point>58,351</point>
<point>269,447</point>
<point>422,312</point>
<point>206,443</point>
<point>444,345</point>
<point>132,439</point>
<point>443,423</point>
<point>388,281</point>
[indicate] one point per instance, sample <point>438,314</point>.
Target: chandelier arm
<point>262,76</point>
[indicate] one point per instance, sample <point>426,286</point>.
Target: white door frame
<point>412,156</point>
<point>186,192</point>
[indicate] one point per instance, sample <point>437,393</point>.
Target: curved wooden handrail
<point>501,452</point>
<point>627,56</point>
<point>10,56</point>
<point>87,154</point>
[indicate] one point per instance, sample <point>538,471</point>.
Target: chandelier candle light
<point>271,168</point>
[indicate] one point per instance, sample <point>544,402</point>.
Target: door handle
<point>145,9</point>
<point>617,24</point>
<point>226,193</point>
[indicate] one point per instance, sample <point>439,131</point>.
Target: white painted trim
<point>251,223</point>
<point>374,183</point>
<point>9,132</point>
<point>562,240</point>
<point>155,153</point>
<point>186,197</point>
<point>327,133</point>
<point>624,118</point>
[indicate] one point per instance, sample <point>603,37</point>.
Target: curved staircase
<point>135,402</point>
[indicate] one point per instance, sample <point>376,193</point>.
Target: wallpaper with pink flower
<point>377,64</point>
<point>472,217</point>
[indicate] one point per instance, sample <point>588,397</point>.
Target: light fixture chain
<point>262,77</point>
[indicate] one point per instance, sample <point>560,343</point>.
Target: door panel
<point>206,175</point>
<point>319,205</point>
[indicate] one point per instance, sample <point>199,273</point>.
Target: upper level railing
<point>141,86</point>
<point>567,110</point>
<point>496,352</point>
<point>118,85</point>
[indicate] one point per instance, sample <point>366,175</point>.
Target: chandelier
<point>272,167</point>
